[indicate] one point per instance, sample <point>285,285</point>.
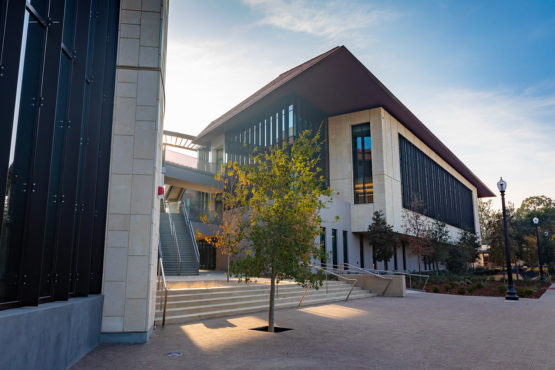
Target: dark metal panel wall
<point>58,180</point>
<point>443,197</point>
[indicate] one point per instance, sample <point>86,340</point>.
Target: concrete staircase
<point>187,305</point>
<point>189,265</point>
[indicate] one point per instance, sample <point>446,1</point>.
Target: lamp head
<point>536,220</point>
<point>501,185</point>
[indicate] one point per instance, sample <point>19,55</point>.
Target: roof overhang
<point>336,82</point>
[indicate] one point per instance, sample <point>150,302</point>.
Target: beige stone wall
<point>384,129</point>
<point>135,170</point>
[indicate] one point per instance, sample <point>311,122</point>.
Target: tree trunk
<point>419,270</point>
<point>228,253</point>
<point>271,310</point>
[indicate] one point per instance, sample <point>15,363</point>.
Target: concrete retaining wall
<point>51,336</point>
<point>386,287</point>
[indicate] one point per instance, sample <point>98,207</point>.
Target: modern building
<point>82,165</point>
<point>81,115</point>
<point>376,155</point>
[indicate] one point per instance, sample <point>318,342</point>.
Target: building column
<point>131,247</point>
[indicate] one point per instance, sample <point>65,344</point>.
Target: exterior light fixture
<point>536,222</point>
<point>511,292</point>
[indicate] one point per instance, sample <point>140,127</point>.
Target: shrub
<point>492,278</point>
<point>435,289</point>
<point>447,288</point>
<point>524,292</point>
<point>479,285</point>
<point>472,288</point>
<point>461,291</point>
<point>502,289</point>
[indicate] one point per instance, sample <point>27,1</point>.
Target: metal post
<point>326,282</point>
<point>542,278</point>
<point>511,293</point>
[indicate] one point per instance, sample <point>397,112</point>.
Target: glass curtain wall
<point>57,81</point>
<point>281,123</point>
<point>362,164</point>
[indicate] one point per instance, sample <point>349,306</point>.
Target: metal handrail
<point>327,272</point>
<point>356,269</point>
<point>174,235</point>
<point>176,244</point>
<point>420,276</point>
<point>188,222</point>
<point>162,284</point>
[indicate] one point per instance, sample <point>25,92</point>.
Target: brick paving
<point>421,331</point>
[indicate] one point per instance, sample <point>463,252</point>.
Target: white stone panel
<point>150,29</point>
<point>124,116</point>
<point>114,298</point>
<point>115,264</point>
<point>128,54</point>
<point>142,195</point>
<point>135,315</point>
<point>122,154</point>
<point>119,200</point>
<point>139,235</point>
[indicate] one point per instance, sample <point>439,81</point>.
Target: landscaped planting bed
<point>483,286</point>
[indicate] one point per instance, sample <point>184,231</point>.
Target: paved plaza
<point>423,330</point>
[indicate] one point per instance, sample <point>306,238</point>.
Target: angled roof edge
<point>280,80</point>
<point>413,124</point>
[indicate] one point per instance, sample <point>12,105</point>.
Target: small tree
<point>438,239</point>
<point>414,225</point>
<point>282,192</point>
<point>381,237</point>
<point>469,245</point>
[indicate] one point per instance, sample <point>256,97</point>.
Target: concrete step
<point>263,306</point>
<point>216,293</point>
<point>199,307</point>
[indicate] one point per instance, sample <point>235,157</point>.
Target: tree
<point>414,225</point>
<point>381,236</point>
<point>282,193</point>
<point>438,239</point>
<point>469,245</point>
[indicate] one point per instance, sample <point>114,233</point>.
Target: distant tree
<point>485,215</point>
<point>496,239</point>
<point>381,237</point>
<point>437,237</point>
<point>469,245</point>
<point>415,227</point>
<point>283,193</point>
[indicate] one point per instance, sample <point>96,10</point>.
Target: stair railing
<point>190,225</point>
<point>174,236</point>
<point>328,272</point>
<point>162,286</point>
<point>409,275</point>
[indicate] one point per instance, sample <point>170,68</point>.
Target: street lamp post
<point>536,221</point>
<point>511,293</point>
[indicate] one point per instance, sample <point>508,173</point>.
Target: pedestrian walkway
<point>424,330</point>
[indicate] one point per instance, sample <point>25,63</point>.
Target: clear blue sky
<point>479,74</point>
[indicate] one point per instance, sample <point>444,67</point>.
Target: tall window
<point>362,164</point>
<point>345,251</point>
<point>323,244</point>
<point>334,247</point>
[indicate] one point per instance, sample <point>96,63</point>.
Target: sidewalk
<point>423,330</point>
